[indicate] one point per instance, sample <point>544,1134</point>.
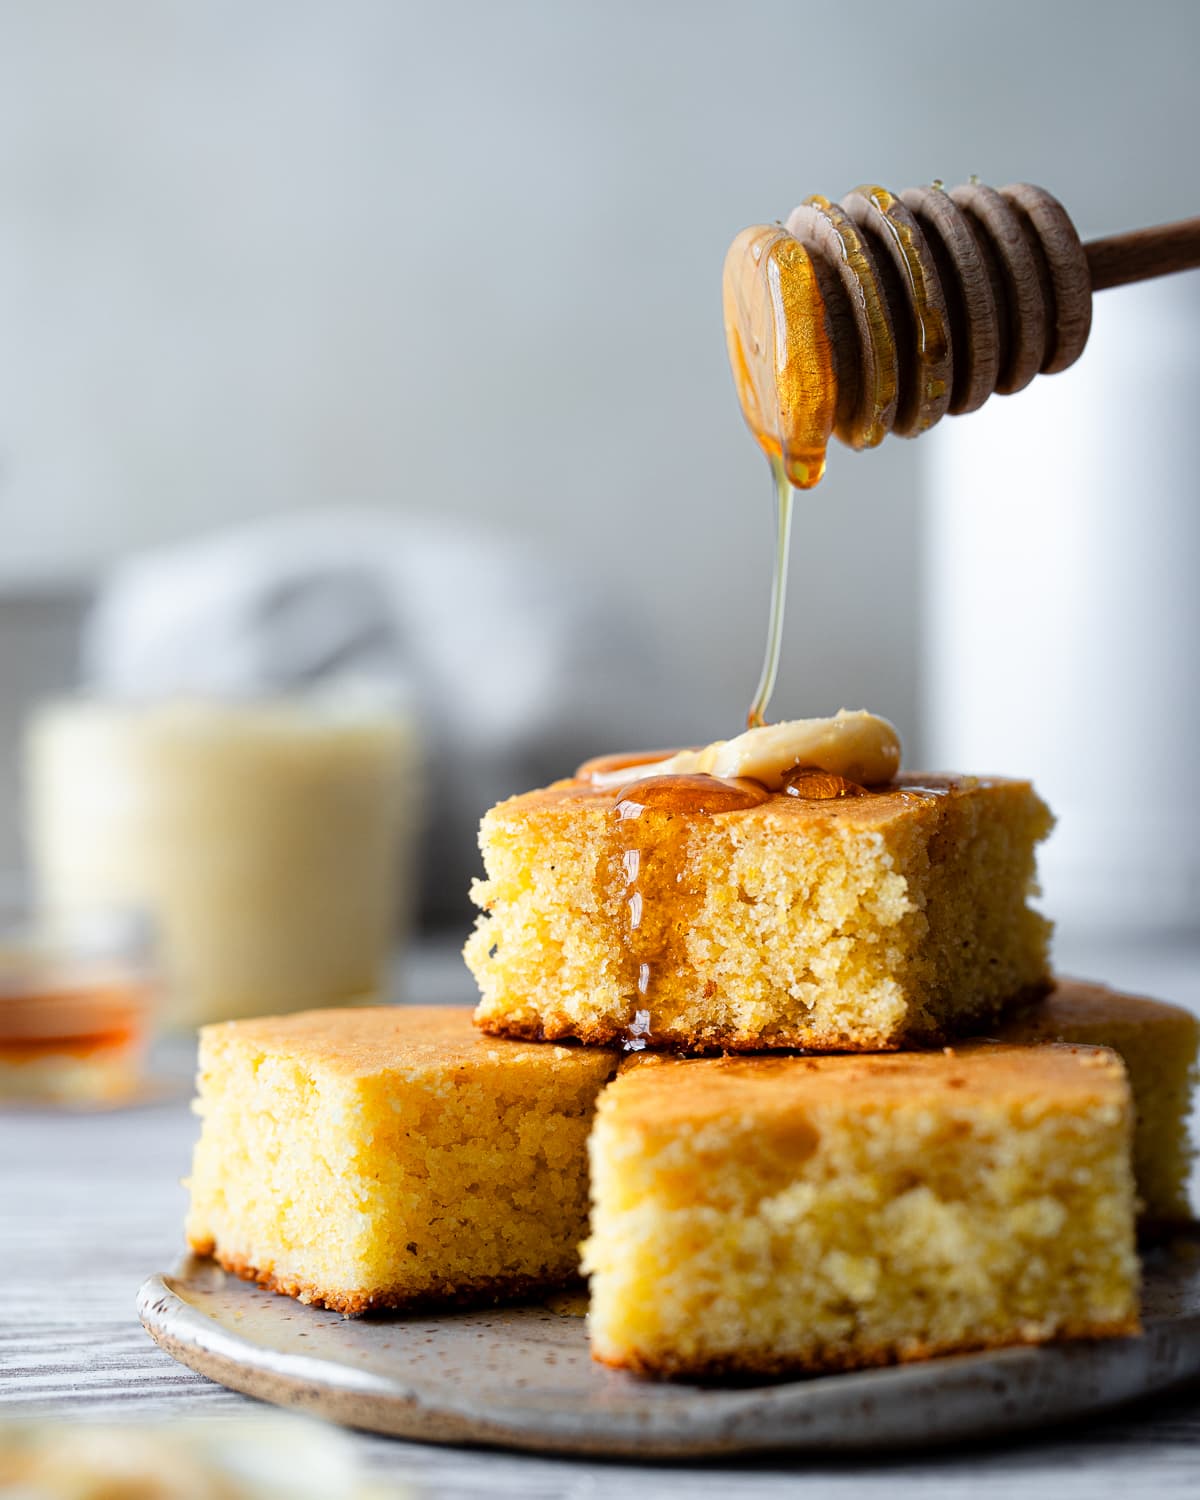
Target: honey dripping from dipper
<point>882,313</point>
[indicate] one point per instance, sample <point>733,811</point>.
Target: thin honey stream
<point>784,504</point>
<point>782,361</point>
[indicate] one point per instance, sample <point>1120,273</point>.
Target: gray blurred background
<point>463,261</point>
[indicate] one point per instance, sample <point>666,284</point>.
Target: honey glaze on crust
<point>650,831</point>
<point>803,786</point>
<point>645,883</point>
<point>815,785</point>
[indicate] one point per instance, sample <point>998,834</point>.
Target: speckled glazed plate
<point>521,1377</point>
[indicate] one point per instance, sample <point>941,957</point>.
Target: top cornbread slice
<point>1158,1044</point>
<point>383,1156</point>
<point>770,1214</point>
<point>854,923</point>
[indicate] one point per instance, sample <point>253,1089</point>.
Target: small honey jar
<point>77,1001</point>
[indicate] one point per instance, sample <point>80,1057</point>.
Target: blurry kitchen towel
<point>514,665</point>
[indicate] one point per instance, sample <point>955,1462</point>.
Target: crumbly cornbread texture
<point>1158,1043</point>
<point>860,922</point>
<point>377,1157</point>
<point>766,1215</point>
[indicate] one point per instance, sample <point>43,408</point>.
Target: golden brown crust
<point>1072,1003</point>
<point>782,1099</point>
<point>602,1032</point>
<point>360,1040</point>
<point>481,1291</point>
<point>831,1360</point>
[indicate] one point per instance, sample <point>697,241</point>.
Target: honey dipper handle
<point>1143,253</point>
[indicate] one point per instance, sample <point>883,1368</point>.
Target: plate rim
<point>777,1417</point>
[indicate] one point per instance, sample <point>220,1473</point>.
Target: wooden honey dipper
<point>884,312</point>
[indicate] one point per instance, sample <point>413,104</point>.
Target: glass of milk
<point>270,841</point>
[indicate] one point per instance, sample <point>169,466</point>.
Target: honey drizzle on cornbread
<point>648,859</point>
<point>644,871</point>
<point>648,863</point>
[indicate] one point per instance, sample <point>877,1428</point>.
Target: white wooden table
<point>90,1204</point>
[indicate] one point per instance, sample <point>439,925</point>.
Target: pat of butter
<point>853,743</point>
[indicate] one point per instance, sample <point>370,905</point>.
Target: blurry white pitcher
<point>1062,608</point>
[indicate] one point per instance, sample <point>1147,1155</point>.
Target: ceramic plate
<point>521,1377</point>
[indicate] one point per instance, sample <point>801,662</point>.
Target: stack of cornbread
<point>791,1016</point>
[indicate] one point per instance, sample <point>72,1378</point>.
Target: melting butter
<point>855,744</point>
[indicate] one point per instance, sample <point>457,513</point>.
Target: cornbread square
<point>1158,1043</point>
<point>378,1157</point>
<point>765,1215</point>
<point>860,922</point>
